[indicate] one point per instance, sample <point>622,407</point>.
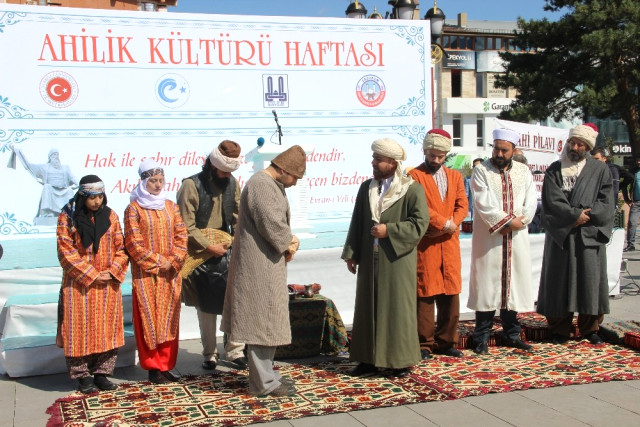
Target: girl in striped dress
<point>156,240</point>
<point>94,263</point>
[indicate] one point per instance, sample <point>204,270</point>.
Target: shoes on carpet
<point>280,391</point>
<point>287,381</point>
<point>399,372</point>
<point>171,376</point>
<point>363,370</point>
<point>451,351</point>
<point>481,348</point>
<point>559,339</point>
<point>629,248</point>
<point>102,382</point>
<point>209,365</point>
<point>516,343</point>
<point>425,354</point>
<point>156,377</point>
<point>86,386</point>
<point>594,338</point>
<point>240,363</point>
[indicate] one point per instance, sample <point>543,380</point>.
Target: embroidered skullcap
<point>389,148</point>
<point>506,135</point>
<point>437,139</point>
<point>587,133</point>
<point>293,161</point>
<point>149,167</point>
<point>90,185</point>
<point>226,156</point>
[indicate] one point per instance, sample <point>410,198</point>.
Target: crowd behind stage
<point>402,245</point>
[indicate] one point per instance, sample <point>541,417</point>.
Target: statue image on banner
<point>58,183</point>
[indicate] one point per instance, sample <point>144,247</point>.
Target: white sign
<point>107,89</point>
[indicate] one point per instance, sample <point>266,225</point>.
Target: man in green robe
<point>389,218</point>
<point>577,216</point>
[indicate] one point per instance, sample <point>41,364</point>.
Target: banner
<point>96,92</point>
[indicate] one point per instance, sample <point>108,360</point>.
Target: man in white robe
<point>504,200</point>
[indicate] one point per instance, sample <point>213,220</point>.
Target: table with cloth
<point>316,327</point>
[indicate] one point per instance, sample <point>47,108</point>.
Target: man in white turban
<point>210,199</point>
<point>389,218</point>
<point>504,203</point>
<point>576,204</point>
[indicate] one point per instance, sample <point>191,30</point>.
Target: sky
<point>477,10</point>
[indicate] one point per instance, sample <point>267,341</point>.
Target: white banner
<point>106,89</point>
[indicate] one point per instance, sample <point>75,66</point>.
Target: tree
<point>587,62</point>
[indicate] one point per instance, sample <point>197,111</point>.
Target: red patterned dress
<point>152,236</point>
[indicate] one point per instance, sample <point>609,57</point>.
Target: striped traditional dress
<point>153,236</point>
<point>92,319</point>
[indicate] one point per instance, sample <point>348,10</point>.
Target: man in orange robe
<point>439,266</point>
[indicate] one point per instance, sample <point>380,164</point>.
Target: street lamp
<point>436,17</point>
<point>402,9</point>
<point>356,10</point>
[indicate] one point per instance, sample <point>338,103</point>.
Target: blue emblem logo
<point>172,90</point>
<point>276,90</point>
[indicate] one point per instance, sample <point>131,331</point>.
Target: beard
<point>433,167</point>
<point>55,163</point>
<point>220,182</point>
<point>500,162</point>
<point>576,156</point>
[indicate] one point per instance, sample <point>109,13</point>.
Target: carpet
<point>220,399</point>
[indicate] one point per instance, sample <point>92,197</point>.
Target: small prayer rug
<point>221,399</point>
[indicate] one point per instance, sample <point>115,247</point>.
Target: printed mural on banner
<point>97,92</point>
<point>541,146</point>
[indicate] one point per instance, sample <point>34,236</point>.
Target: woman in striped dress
<point>156,240</point>
<point>94,263</point>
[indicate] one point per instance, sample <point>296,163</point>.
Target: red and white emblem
<point>58,89</point>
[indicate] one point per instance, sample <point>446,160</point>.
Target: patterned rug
<point>220,399</point>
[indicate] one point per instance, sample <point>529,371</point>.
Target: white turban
<point>437,139</point>
<point>389,148</point>
<point>226,156</point>
<point>506,135</point>
<point>585,133</point>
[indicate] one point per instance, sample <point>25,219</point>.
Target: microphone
<point>275,116</point>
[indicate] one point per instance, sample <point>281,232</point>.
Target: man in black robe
<point>577,204</point>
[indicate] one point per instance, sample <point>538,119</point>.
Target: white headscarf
<point>148,168</point>
<point>400,183</point>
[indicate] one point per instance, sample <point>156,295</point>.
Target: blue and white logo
<point>276,90</point>
<point>172,90</point>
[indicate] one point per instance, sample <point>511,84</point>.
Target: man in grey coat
<point>576,203</point>
<point>256,307</point>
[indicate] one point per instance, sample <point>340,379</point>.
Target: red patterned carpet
<point>220,399</point>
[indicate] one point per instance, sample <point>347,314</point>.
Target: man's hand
<point>288,256</point>
<point>451,227</point>
<point>515,225</point>
<point>583,218</point>
<point>165,266</point>
<point>379,231</point>
<point>103,278</point>
<point>217,250</point>
<point>352,265</point>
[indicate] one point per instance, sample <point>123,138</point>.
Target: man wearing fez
<point>389,219</point>
<point>504,200</point>
<point>439,264</point>
<point>210,199</point>
<point>256,308</point>
<point>576,202</point>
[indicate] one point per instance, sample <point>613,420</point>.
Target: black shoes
<point>399,372</point>
<point>363,370</point>
<point>594,338</point>
<point>86,386</point>
<point>157,377</point>
<point>559,339</point>
<point>426,354</point>
<point>280,391</point>
<point>240,363</point>
<point>516,343</point>
<point>481,348</point>
<point>629,248</point>
<point>451,351</point>
<point>209,365</point>
<point>171,376</point>
<point>102,382</point>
